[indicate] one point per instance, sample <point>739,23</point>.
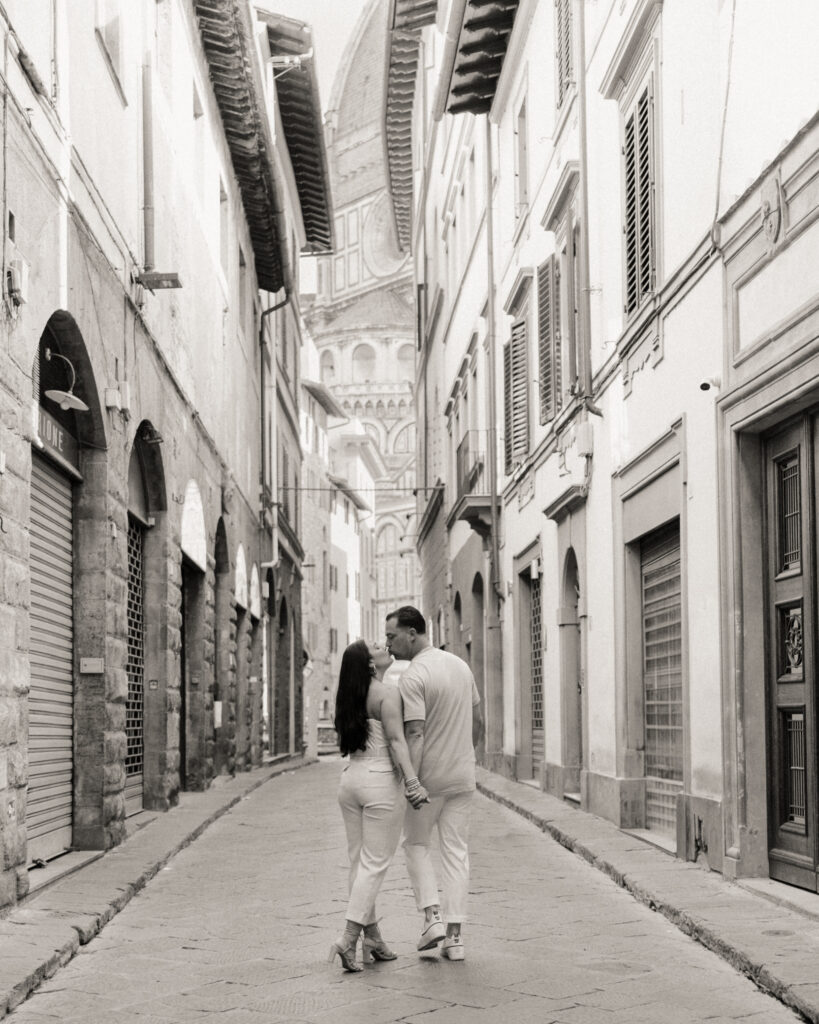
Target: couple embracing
<point>411,764</point>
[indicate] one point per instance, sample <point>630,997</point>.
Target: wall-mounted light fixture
<point>65,399</point>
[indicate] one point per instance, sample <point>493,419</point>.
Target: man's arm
<point>477,724</point>
<point>414,731</point>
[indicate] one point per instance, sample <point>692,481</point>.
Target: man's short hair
<point>409,618</point>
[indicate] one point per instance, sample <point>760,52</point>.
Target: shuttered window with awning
<point>51,697</point>
<point>516,397</point>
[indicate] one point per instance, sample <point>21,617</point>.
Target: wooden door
<point>791,654</point>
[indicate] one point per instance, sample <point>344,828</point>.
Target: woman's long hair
<point>351,698</point>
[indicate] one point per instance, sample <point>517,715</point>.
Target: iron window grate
<point>135,664</point>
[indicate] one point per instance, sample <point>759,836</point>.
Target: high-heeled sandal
<point>347,956</point>
<point>375,948</point>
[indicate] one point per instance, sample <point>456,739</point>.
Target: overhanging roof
<point>227,37</point>
<point>469,77</point>
<point>351,493</point>
<point>300,108</point>
<point>323,396</point>
<point>407,18</point>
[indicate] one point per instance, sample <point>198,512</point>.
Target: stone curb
<point>35,942</point>
<point>683,894</point>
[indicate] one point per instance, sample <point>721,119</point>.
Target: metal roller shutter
<point>51,698</point>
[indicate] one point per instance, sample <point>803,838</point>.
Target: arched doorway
<point>571,677</point>
<point>478,649</point>
<point>284,704</point>
<point>146,619</point>
<point>147,708</point>
<point>64,807</point>
<point>224,691</point>
<point>457,623</point>
<point>194,674</point>
<point>242,663</point>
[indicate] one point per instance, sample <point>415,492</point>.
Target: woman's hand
<point>415,793</point>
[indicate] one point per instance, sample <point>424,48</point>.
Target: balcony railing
<point>471,463</point>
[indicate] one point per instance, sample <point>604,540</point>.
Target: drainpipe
<point>148,166</point>
<point>583,190</point>
<point>492,383</point>
<point>274,558</point>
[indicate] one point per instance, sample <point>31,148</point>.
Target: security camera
<point>710,382</point>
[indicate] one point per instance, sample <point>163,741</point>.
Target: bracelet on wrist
<point>412,783</point>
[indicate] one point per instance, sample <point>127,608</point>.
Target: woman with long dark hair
<point>370,725</point>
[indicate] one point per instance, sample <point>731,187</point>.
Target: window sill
<point>562,113</point>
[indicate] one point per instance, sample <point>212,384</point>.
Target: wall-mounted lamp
<point>65,399</point>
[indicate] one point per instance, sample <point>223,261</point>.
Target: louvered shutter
<point>508,440</point>
<point>564,48</point>
<point>520,392</point>
<point>638,153</point>
<point>548,301</point>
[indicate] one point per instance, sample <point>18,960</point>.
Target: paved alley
<point>236,929</point>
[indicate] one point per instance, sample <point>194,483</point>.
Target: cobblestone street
<point>237,926</point>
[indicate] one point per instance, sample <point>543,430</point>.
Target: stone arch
<point>284,670</point>
<point>570,670</point>
<point>457,622</point>
<point>403,439</point>
<point>244,629</point>
<point>406,361</point>
<point>327,366</point>
<point>255,593</point>
<point>240,586</point>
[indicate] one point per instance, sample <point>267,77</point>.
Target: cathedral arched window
<point>328,367</point>
<point>387,539</point>
<point>405,440</point>
<point>406,362</point>
<point>373,431</point>
<point>363,363</point>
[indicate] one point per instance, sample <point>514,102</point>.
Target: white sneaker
<point>432,934</point>
<point>453,948</point>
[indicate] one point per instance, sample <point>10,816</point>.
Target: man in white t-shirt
<point>443,723</point>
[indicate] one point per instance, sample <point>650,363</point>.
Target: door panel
<point>791,586</point>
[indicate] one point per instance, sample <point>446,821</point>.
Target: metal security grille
<point>134,717</point>
<point>538,751</point>
<point>790,514</point>
<point>662,677</point>
<point>797,790</point>
<point>51,698</point>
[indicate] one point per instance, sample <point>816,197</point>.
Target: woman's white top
<point>378,749</point>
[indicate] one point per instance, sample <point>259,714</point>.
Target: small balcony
<point>470,463</point>
<point>473,503</point>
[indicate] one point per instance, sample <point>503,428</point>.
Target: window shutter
<point>507,406</point>
<point>638,153</point>
<point>564,48</point>
<point>519,392</point>
<point>548,300</point>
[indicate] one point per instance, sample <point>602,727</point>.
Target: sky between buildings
<point>332,22</point>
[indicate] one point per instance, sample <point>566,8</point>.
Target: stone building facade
<point>136,263</point>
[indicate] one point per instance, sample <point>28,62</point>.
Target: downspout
<point>497,583</point>
<point>274,557</point>
<point>583,189</point>
<point>148,166</point>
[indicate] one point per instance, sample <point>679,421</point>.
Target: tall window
<point>639,199</point>
<point>516,396</point>
<point>363,363</point>
<point>521,163</point>
<point>549,353</point>
<point>563,49</point>
<point>328,368</point>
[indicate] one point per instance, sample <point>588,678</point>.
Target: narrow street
<point>237,927</point>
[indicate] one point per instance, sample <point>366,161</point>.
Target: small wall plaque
<point>92,666</point>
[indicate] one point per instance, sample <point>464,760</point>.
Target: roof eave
<point>226,31</point>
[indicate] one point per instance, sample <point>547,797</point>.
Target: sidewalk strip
<point>777,948</point>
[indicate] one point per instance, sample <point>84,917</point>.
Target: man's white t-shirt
<point>438,689</point>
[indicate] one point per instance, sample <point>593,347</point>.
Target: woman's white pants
<point>372,804</point>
